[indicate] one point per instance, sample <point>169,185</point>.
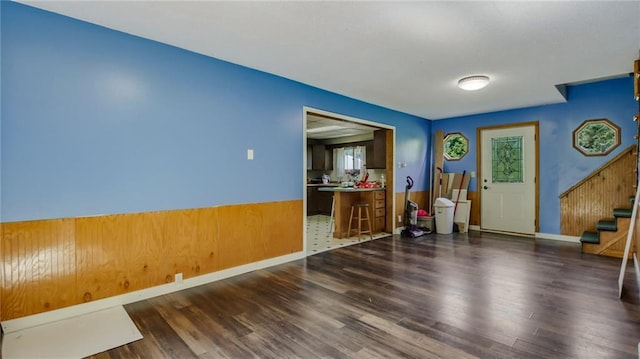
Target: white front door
<point>507,181</point>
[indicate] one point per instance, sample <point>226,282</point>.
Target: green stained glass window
<point>506,159</point>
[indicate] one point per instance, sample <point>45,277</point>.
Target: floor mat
<point>75,337</point>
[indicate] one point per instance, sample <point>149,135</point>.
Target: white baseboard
<point>555,237</point>
<point>558,237</point>
<point>13,325</point>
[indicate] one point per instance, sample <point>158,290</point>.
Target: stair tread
<point>622,212</point>
<point>607,225</point>
<point>590,237</point>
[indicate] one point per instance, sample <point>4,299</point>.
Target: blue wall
<point>1,113</point>
<point>561,166</point>
<point>96,121</point>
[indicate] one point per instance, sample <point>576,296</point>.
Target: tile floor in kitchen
<point>320,238</point>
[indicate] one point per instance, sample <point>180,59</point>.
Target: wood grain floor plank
<point>439,296</point>
<point>225,341</point>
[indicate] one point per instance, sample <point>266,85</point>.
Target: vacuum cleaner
<point>411,229</point>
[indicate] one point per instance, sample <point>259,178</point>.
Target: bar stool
<point>360,206</point>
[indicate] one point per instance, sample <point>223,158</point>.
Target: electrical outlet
<point>399,218</point>
<point>178,278</point>
<point>250,154</point>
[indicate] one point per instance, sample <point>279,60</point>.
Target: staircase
<point>610,236</point>
<point>593,197</point>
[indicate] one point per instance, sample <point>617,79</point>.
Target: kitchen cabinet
<point>346,197</point>
<point>328,159</point>
<point>318,157</point>
<point>377,150</point>
<point>379,211</point>
<point>321,158</point>
<point>312,201</point>
<point>324,202</point>
<point>318,202</point>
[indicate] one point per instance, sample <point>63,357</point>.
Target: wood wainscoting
<point>421,198</point>
<point>635,244</point>
<point>595,197</point>
<point>52,264</point>
<point>474,216</point>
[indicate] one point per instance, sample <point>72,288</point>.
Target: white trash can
<point>444,215</point>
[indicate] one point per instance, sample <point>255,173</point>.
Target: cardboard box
<point>426,222</point>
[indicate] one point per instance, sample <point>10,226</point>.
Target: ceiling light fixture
<point>473,83</point>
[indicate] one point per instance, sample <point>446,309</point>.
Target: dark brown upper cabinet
<point>377,151</point>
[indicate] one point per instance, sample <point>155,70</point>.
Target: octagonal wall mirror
<point>456,145</point>
<point>596,137</point>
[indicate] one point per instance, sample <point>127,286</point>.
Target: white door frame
<point>536,126</point>
<point>305,111</point>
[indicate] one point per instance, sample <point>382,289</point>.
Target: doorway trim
<point>536,126</point>
<point>391,178</point>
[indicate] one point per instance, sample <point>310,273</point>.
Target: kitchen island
<point>319,202</point>
<point>346,197</point>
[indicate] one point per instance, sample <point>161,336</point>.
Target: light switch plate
<point>249,154</point>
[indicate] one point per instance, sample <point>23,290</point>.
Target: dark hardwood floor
<point>439,296</point>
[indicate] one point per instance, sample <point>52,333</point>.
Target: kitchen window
<point>349,160</point>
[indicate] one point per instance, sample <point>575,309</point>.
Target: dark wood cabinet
<point>318,202</point>
<point>377,150</point>
<point>324,202</point>
<point>321,158</point>
<point>328,159</point>
<point>370,160</point>
<point>318,157</point>
<point>312,201</point>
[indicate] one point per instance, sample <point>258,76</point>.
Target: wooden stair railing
<point>595,196</point>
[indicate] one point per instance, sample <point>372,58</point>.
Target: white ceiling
<point>405,56</point>
<point>322,128</point>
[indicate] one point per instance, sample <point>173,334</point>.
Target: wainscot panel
<point>39,266</point>
<point>52,264</point>
<point>421,198</point>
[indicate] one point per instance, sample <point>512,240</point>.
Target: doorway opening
<point>338,151</point>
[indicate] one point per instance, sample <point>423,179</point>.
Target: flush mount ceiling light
<point>473,83</point>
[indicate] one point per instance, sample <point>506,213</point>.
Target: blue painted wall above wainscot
<point>561,165</point>
<point>95,121</point>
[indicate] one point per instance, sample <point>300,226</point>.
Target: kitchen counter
<point>323,184</point>
<point>349,189</point>
<point>345,197</point>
